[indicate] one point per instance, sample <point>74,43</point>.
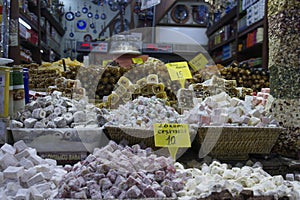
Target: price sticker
<point>179,71</point>
<point>198,62</point>
<point>137,61</point>
<point>105,62</point>
<point>172,136</point>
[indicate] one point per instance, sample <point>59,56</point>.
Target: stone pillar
<point>284,66</point>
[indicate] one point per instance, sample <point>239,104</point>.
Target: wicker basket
<point>136,135</point>
<point>131,135</point>
<point>235,142</point>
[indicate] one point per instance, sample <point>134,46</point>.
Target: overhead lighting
<point>21,21</point>
<point>41,51</point>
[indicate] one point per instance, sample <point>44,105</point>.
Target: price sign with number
<point>172,135</point>
<point>179,71</point>
<point>198,62</point>
<point>137,61</point>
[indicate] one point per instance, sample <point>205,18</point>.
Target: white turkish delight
<point>16,124</point>
<point>13,172</point>
<point>35,159</point>
<point>255,113</point>
<point>26,163</point>
<point>20,146</point>
<point>49,110</point>
<point>37,178</point>
<point>39,124</point>
<point>38,113</point>
<point>35,194</point>
<point>290,177</point>
<point>8,160</point>
<point>254,121</point>
<point>60,122</point>
<point>51,124</point>
<point>68,117</point>
<point>79,116</point>
<point>22,194</point>
<point>30,122</point>
<point>52,116</point>
<point>7,148</point>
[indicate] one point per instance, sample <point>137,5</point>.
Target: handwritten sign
<point>179,71</point>
<point>198,62</point>
<point>172,136</point>
<point>105,62</point>
<point>137,61</point>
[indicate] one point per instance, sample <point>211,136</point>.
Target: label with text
<point>198,62</point>
<point>172,135</point>
<point>137,61</point>
<point>179,71</point>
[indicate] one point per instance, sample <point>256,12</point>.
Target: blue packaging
<point>26,88</point>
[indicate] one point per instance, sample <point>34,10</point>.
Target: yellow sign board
<point>137,61</point>
<point>198,62</point>
<point>179,71</point>
<point>172,135</point>
<point>105,62</point>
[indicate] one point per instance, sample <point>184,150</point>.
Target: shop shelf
<point>224,20</point>
<point>251,28</point>
<point>231,39</point>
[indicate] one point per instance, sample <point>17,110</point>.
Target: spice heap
<point>143,112</point>
<point>118,172</point>
<point>25,175</point>
<point>56,111</point>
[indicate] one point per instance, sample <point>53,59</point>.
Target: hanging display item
<point>97,15</point>
<point>87,38</point>
<point>92,25</point>
<point>180,14</point>
<point>90,14</point>
<point>71,34</point>
<point>69,15</point>
<point>84,9</point>
<point>200,14</point>
<point>118,24</point>
<point>81,24</point>
<point>77,13</point>
<point>113,5</point>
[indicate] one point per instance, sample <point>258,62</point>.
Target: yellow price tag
<point>172,136</point>
<point>198,62</point>
<point>137,61</point>
<point>179,71</point>
<point>105,62</point>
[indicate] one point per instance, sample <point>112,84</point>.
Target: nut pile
<point>143,112</point>
<point>69,88</point>
<point>56,111</point>
<point>221,109</point>
<point>118,172</point>
<point>253,78</point>
<point>99,81</point>
<point>25,175</point>
<point>218,177</point>
<point>216,85</point>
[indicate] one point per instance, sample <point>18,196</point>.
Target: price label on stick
<point>172,136</point>
<point>179,71</point>
<point>198,62</point>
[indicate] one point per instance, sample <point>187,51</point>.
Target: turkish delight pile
<point>25,175</point>
<point>221,109</point>
<point>143,112</point>
<point>121,172</point>
<point>217,177</point>
<point>55,111</point>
